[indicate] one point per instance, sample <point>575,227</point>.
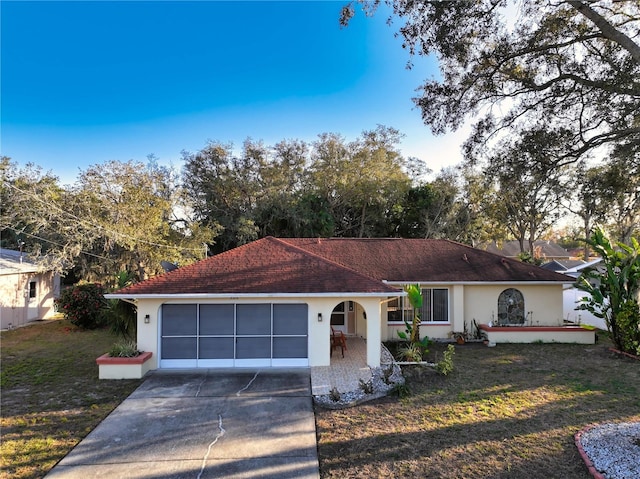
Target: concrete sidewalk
<point>205,424</point>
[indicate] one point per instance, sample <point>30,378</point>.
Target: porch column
<point>372,309</point>
<point>457,304</point>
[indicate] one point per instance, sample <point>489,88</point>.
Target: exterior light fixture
<point>319,317</point>
<point>147,319</point>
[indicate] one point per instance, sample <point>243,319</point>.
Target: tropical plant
<point>124,349</point>
<point>83,305</point>
<point>417,347</point>
<point>410,352</point>
<point>121,315</point>
<point>613,290</point>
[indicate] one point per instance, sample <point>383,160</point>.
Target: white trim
<point>253,363</point>
<point>235,296</point>
<point>215,363</point>
<point>289,362</point>
<point>178,363</point>
<point>476,283</point>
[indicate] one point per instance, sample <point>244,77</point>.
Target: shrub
<point>124,349</point>
<point>334,394</point>
<point>402,390</point>
<point>121,315</point>
<point>366,386</point>
<point>411,352</point>
<point>445,365</point>
<point>83,305</point>
<point>629,324</point>
<point>613,290</point>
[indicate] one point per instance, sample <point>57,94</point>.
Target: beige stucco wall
<point>545,303</point>
<point>480,302</point>
<point>14,299</point>
<point>466,303</point>
<point>319,331</point>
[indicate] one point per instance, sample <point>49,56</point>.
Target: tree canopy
<point>570,65</point>
<point>118,216</point>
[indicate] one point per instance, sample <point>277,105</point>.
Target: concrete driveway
<point>206,424</point>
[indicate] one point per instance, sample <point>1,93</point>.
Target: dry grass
<point>509,411</point>
<point>51,394</point>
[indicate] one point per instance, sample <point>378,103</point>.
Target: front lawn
<point>50,394</point>
<point>505,412</point>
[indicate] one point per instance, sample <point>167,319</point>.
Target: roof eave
<point>471,283</point>
<point>381,294</point>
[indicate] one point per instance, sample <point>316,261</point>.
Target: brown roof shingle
<point>265,266</point>
<point>339,265</point>
<point>423,260</point>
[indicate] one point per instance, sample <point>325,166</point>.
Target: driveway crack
<point>206,456</point>
<point>248,384</point>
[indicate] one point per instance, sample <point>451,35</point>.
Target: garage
<point>234,335</point>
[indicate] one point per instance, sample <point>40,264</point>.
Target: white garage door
<point>233,335</point>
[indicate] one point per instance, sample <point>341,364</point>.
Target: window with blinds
<point>435,307</point>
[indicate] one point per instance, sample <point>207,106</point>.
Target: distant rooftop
<point>12,262</point>
<point>511,249</point>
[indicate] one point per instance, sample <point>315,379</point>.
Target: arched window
<point>511,308</point>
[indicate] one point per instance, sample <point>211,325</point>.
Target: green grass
<point>51,396</point>
<point>505,412</point>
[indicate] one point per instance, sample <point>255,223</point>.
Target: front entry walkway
<point>344,373</point>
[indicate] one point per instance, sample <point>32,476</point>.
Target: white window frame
<point>407,311</point>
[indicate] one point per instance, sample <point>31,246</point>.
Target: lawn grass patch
<point>504,412</point>
<point>51,395</point>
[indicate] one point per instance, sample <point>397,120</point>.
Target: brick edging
<point>592,469</point>
<point>140,359</point>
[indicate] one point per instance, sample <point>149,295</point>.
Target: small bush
<point>410,352</point>
<point>445,365</point>
<point>366,386</point>
<point>83,305</point>
<point>124,349</point>
<point>628,320</point>
<point>334,394</point>
<point>402,390</point>
<point>387,373</point>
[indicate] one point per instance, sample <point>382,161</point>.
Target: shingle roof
<point>265,266</point>
<point>420,260</point>
<point>339,265</point>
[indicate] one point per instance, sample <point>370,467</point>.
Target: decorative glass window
<point>435,307</point>
<point>511,308</point>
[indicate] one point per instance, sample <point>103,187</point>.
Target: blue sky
<point>88,82</point>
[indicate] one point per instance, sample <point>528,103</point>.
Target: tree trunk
<point>608,30</point>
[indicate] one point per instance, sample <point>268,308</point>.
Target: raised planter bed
<point>123,368</point>
<point>536,334</point>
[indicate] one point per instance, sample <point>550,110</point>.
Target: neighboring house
<point>270,303</point>
<point>545,249</point>
<point>26,292</point>
<point>562,265</point>
<point>572,297</point>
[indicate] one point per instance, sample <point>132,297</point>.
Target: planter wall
<point>535,334</point>
<point>124,368</point>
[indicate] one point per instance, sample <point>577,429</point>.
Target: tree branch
<point>608,30</point>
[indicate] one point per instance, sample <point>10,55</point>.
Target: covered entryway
<point>234,335</point>
<point>347,316</point>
